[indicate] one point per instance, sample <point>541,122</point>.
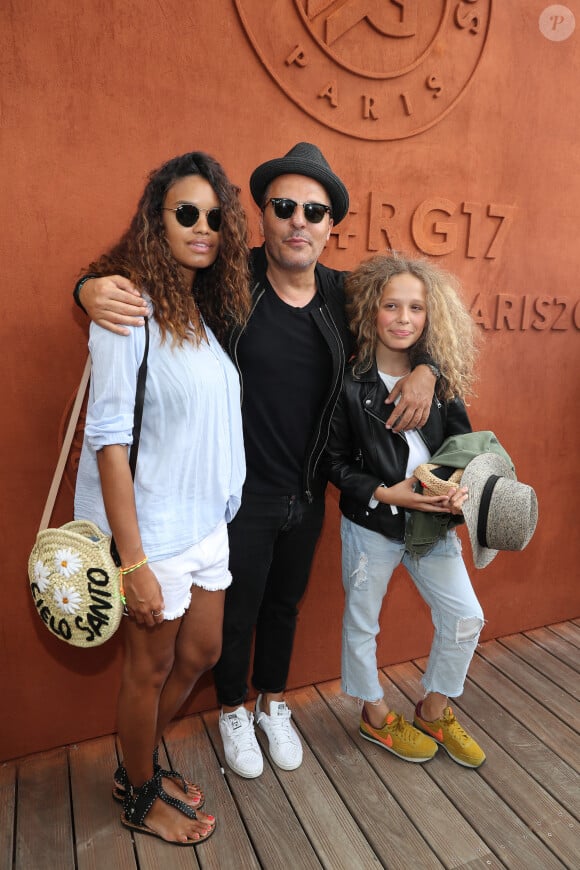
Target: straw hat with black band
<point>500,512</point>
<point>302,159</point>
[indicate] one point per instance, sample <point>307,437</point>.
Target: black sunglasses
<point>187,215</point>
<point>313,211</point>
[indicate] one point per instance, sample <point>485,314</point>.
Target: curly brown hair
<point>221,292</point>
<point>449,337</point>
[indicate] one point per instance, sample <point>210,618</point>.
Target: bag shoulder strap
<point>66,444</point>
<point>72,424</point>
<point>139,402</point>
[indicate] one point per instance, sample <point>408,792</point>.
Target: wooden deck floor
<point>350,805</point>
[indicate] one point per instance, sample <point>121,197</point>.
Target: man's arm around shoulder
<point>111,301</point>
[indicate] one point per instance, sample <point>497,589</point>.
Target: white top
<point>418,451</point>
<point>190,464</point>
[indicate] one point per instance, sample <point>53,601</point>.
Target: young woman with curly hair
<point>397,307</point>
<point>186,250</point>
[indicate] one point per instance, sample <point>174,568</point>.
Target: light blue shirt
<point>190,464</point>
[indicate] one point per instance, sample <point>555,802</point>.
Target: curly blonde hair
<point>220,293</point>
<point>449,337</point>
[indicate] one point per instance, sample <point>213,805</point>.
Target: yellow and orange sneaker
<point>449,734</point>
<point>399,737</point>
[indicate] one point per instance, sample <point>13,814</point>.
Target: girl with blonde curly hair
<point>186,250</point>
<point>399,307</point>
<point>449,335</point>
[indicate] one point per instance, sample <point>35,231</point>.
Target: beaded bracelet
<point>129,570</point>
<point>134,567</point>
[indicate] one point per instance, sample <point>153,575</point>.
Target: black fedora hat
<point>302,159</point>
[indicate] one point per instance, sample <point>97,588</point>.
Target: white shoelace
<point>280,724</point>
<point>242,732</point>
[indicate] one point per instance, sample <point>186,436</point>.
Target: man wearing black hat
<point>290,355</point>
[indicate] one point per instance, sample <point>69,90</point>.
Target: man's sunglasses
<point>285,208</point>
<point>187,215</point>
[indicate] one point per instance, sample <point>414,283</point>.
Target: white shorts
<point>205,565</point>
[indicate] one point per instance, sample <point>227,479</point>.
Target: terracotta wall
<point>455,125</point>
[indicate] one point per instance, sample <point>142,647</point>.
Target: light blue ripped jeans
<point>368,561</point>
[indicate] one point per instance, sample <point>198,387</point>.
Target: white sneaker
<point>284,743</point>
<point>242,750</point>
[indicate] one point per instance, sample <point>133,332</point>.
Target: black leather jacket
<point>330,319</point>
<point>361,454</point>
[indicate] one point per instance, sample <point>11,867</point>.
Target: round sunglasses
<point>187,215</point>
<point>285,208</point>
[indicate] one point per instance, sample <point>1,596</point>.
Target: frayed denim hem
<point>215,587</point>
<point>178,613</point>
<point>359,699</point>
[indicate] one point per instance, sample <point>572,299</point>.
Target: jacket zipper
<point>342,360</point>
<point>376,417</point>
<point>235,342</point>
<point>401,434</point>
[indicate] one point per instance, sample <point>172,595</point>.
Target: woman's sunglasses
<point>187,215</point>
<point>313,211</point>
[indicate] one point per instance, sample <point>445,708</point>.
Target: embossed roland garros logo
<point>373,69</point>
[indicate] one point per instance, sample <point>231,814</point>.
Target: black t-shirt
<point>286,369</point>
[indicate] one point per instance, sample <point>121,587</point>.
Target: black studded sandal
<point>121,781</point>
<point>138,802</point>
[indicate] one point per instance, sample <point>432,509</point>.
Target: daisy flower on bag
<point>67,599</point>
<point>41,575</point>
<point>67,562</point>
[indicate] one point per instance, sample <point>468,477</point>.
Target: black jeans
<point>272,542</point>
